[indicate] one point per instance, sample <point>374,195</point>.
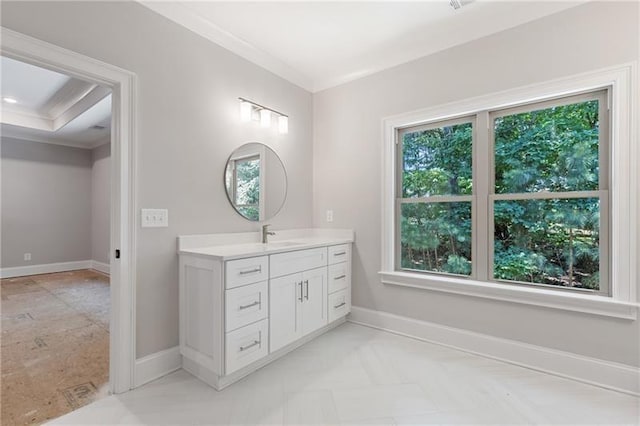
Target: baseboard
<point>100,266</point>
<point>156,365</point>
<point>610,375</point>
<point>20,271</point>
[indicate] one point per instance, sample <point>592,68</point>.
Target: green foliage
<point>248,188</point>
<point>554,149</point>
<point>437,161</point>
<point>248,182</point>
<point>550,241</point>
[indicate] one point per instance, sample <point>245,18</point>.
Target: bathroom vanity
<point>244,303</point>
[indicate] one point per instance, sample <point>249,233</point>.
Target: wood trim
<point>529,295</point>
<point>606,374</point>
<point>101,267</point>
<point>47,268</point>
<point>156,365</point>
<point>123,188</point>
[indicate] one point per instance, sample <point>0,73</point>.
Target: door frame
<point>122,83</point>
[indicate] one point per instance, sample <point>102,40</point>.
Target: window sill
<point>590,304</point>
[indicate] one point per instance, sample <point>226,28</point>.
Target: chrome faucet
<point>266,233</point>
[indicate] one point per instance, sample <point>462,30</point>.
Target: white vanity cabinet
<point>339,277</point>
<point>298,297</point>
<point>239,312</point>
<point>298,305</point>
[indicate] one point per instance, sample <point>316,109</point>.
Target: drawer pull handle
<point>340,253</point>
<point>300,284</point>
<point>340,277</point>
<point>306,282</point>
<point>250,305</point>
<point>244,348</point>
<point>251,271</point>
<point>340,305</point>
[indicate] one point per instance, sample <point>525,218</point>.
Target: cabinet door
<point>285,294</point>
<point>314,300</point>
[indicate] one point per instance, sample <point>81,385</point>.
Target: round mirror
<point>256,181</point>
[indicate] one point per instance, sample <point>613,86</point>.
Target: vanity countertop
<point>217,246</point>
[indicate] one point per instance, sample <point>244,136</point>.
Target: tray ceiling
<point>46,106</point>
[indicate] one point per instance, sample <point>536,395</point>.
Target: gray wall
<point>46,203</point>
<point>100,203</point>
<point>347,164</point>
<point>188,125</point>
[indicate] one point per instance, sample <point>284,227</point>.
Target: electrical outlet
<point>329,215</point>
<point>155,218</point>
<point>27,256</point>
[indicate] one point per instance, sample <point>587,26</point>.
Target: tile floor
<point>358,375</point>
<point>55,344</point>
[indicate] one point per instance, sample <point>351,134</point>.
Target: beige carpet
<point>55,344</point>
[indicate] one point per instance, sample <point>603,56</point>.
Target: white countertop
<point>216,246</point>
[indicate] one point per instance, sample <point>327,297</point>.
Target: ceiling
<point>317,45</point>
<point>52,107</point>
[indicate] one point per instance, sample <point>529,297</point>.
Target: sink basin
<point>277,244</point>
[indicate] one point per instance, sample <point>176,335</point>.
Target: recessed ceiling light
<point>10,100</point>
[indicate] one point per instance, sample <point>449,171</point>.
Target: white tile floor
<point>358,375</point>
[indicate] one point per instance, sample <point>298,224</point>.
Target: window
<point>243,177</point>
<point>436,185</point>
<point>515,195</point>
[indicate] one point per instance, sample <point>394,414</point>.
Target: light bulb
<point>245,111</point>
<point>283,124</point>
<point>265,118</point>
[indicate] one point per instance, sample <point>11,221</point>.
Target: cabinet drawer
<point>339,276</point>
<point>297,261</point>
<point>246,271</point>
<point>247,304</point>
<point>340,253</point>
<point>339,304</point>
<point>246,345</point>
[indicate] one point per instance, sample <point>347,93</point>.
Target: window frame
<point>234,178</point>
<point>602,193</point>
<point>434,198</point>
<point>623,241</point>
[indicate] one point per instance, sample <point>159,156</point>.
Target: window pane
<point>248,182</point>
<point>552,242</point>
<point>436,237</point>
<point>553,149</point>
<point>437,161</point>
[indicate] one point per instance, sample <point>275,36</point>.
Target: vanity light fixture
<point>250,110</point>
<point>265,118</point>
<point>283,124</point>
<point>246,111</point>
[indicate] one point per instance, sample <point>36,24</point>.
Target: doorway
<point>55,155</point>
<point>121,83</point>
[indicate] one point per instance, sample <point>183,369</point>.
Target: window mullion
<point>481,185</point>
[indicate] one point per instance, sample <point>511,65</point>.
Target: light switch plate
<point>155,218</point>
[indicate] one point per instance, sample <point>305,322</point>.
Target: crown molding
<point>64,106</point>
<point>81,105</point>
<point>10,134</point>
<point>67,96</point>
